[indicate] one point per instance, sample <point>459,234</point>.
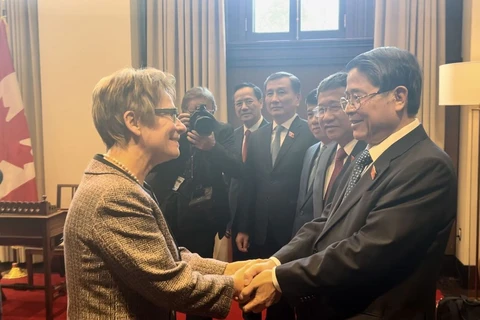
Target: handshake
<point>253,284</point>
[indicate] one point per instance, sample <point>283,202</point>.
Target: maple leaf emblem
<point>11,134</point>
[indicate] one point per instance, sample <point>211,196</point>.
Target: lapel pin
<point>373,172</point>
<point>291,134</point>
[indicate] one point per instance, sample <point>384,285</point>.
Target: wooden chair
<point>30,252</point>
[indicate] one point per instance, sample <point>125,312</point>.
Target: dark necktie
<point>276,143</point>
<point>245,144</point>
<point>339,161</point>
<point>361,162</point>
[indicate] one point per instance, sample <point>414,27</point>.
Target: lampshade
<point>459,84</point>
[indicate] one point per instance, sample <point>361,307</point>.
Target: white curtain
<point>419,27</point>
<point>185,38</point>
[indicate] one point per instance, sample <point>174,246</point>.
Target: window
<point>295,19</point>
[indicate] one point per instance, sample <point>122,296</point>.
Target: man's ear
<point>132,122</point>
<point>400,95</point>
<point>299,99</point>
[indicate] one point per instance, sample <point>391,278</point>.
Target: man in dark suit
<point>339,155</point>
<point>379,253</point>
<point>191,189</point>
<point>273,167</point>
<point>248,104</point>
<point>311,167</point>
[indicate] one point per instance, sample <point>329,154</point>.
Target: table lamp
<point>460,86</point>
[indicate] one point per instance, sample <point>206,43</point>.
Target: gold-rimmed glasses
<point>356,101</point>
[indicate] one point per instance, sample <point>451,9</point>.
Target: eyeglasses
<point>172,112</point>
<point>320,111</point>
<point>248,103</point>
<point>356,101</point>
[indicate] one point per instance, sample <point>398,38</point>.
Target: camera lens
<point>204,125</point>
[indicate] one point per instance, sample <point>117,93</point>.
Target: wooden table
<point>35,231</point>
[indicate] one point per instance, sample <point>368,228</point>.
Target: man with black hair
<point>248,105</point>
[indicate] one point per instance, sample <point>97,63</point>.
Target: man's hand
<point>185,118</point>
<point>237,270</point>
<point>259,294</point>
<point>233,267</point>
<point>242,242</point>
<point>257,268</point>
<point>200,142</point>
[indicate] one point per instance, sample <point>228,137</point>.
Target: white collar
<point>254,127</point>
<point>286,124</point>
<point>377,150</point>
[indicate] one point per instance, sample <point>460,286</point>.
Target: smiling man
<point>379,253</point>
<point>339,155</point>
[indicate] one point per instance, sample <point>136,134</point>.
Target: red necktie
<point>339,157</point>
<point>245,145</point>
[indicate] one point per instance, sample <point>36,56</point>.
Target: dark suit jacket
<point>312,204</point>
<point>380,250</point>
<point>209,169</point>
<point>236,183</point>
<point>269,195</point>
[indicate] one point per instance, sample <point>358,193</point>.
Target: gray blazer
<point>122,262</point>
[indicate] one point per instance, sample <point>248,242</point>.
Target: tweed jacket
<point>122,262</point>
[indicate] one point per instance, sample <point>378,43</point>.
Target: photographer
<point>192,189</point>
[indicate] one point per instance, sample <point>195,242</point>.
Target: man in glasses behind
<point>191,189</point>
<point>339,155</point>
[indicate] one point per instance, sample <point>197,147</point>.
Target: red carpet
<point>30,305</point>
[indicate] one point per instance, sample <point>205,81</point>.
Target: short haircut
<point>295,82</point>
<point>256,90</point>
<point>332,82</point>
<point>390,67</point>
<point>311,98</point>
<point>138,90</point>
<point>195,93</point>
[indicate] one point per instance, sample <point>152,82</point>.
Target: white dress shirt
<point>254,127</point>
<point>284,133</point>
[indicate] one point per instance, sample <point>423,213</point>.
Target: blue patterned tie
<point>361,162</point>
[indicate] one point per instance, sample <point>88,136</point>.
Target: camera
<point>203,121</point>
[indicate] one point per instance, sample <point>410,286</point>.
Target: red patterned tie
<point>339,157</point>
<point>245,145</point>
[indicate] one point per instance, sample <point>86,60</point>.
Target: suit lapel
<point>265,146</point>
<point>319,183</point>
<point>292,134</point>
<point>304,182</point>
<point>368,180</point>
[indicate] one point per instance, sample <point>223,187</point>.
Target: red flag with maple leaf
<point>16,157</point>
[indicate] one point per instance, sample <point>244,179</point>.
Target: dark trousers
<point>281,310</point>
<point>200,241</point>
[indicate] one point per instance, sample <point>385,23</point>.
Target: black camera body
<point>203,121</point>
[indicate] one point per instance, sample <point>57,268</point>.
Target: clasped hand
<point>254,288</point>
